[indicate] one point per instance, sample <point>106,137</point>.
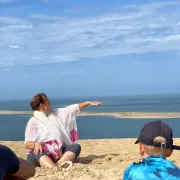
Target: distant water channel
<point>90,127</point>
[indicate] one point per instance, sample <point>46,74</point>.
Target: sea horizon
<point>95,96</point>
<point>127,103</point>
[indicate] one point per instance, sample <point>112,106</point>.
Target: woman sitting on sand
<point>51,135</point>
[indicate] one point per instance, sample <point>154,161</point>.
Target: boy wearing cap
<point>155,144</point>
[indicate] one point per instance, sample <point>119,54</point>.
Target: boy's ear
<point>170,152</point>
<point>141,149</point>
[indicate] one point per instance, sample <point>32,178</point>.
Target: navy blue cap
<point>154,129</point>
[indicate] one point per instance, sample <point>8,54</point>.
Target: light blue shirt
<point>152,168</point>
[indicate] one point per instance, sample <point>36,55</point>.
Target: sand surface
<point>99,160</point>
<point>138,115</point>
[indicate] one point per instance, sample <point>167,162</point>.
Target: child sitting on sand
<point>12,167</point>
<point>155,144</point>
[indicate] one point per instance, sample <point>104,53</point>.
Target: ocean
<point>140,103</point>
<point>97,127</point>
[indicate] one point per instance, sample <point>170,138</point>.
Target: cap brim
<point>137,141</point>
<point>175,147</point>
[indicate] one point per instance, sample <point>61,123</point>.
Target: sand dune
<point>100,160</point>
<point>138,115</point>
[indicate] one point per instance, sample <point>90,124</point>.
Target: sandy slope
<point>100,160</point>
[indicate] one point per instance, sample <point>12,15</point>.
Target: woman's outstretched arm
<point>88,103</point>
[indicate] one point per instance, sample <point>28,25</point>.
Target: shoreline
<point>139,115</point>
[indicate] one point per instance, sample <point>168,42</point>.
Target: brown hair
<point>37,100</point>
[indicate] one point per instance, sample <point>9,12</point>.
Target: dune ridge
<point>101,159</point>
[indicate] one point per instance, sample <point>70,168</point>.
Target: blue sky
<point>78,47</point>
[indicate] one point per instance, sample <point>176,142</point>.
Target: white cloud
<point>6,69</point>
<point>65,73</point>
<point>157,5</point>
<point>20,26</point>
<point>10,20</point>
<point>54,1</point>
<point>14,46</point>
<point>43,17</point>
<point>51,39</point>
<point>6,1</point>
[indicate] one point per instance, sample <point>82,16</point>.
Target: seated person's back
<point>155,144</point>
